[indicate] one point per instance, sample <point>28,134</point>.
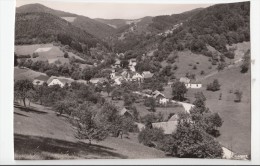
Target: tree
<point>151,118</point>
<point>129,99</point>
<point>221,66</point>
<point>90,124</point>
<point>124,63</point>
<point>117,94</point>
<point>178,90</point>
<point>149,136</point>
<point>87,74</point>
<point>21,87</point>
<point>238,95</point>
<point>246,62</point>
<point>214,86</point>
<point>108,88</point>
<point>190,141</point>
<point>150,102</point>
<point>66,55</point>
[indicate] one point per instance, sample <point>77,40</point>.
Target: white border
<point>7,10</point>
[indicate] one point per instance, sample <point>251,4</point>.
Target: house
<point>117,63</point>
<point>125,112</point>
<point>167,127</point>
<point>81,81</point>
<point>174,117</point>
<point>185,80</point>
<point>188,83</point>
<point>40,80</point>
<point>147,74</point>
<point>164,101</point>
<point>140,126</point>
<point>98,80</point>
<point>126,75</point>
<point>132,62</point>
<point>61,81</point>
<point>193,85</point>
<point>137,77</point>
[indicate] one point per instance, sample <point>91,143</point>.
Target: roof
<point>124,111</point>
<point>97,80</point>
<point>43,49</point>
<point>168,127</point>
<point>42,78</point>
<point>81,81</point>
<point>157,93</point>
<point>147,74</point>
<point>64,80</point>
<point>185,80</point>
<point>174,117</point>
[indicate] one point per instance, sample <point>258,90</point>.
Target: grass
<point>25,73</point>
<point>236,129</point>
<point>185,59</point>
<point>54,54</point>
<point>39,136</point>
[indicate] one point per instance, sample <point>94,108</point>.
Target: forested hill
<point>164,22</point>
<point>216,26</point>
<point>96,28</point>
<point>33,28</point>
<point>39,8</point>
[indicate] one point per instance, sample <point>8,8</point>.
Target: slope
<point>40,134</point>
<point>91,26</point>
<point>34,28</point>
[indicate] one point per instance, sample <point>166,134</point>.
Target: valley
<point>99,88</point>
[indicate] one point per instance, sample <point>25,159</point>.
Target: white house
<point>137,77</point>
<point>193,85</point>
<point>147,74</point>
<point>61,81</point>
<point>163,101</point>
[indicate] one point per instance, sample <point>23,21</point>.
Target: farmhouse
<point>137,77</point>
<point>61,81</point>
<point>185,80</point>
<point>140,126</point>
<point>193,85</point>
<point>98,80</point>
<point>168,127</point>
<point>125,112</point>
<point>189,84</point>
<point>147,74</point>
<point>40,80</point>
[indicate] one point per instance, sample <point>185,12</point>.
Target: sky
<point>114,10</point>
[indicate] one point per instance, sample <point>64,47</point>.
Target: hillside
<point>89,25</point>
<point>39,8</point>
<point>35,28</point>
<point>40,134</point>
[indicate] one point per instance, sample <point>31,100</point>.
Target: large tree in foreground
<point>190,141</point>
<point>21,89</point>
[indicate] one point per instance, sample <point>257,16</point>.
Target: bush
<point>35,55</point>
<point>214,86</point>
<point>202,72</point>
<point>66,55</point>
<point>238,96</point>
<point>149,137</point>
<point>194,67</point>
<point>24,56</point>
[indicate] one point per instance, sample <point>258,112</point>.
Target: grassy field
<point>236,129</point>
<point>55,53</point>
<point>25,73</point>
<point>40,134</point>
<point>187,58</point>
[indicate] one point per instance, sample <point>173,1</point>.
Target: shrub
<point>202,72</point>
<point>35,55</point>
<point>194,67</point>
<point>149,136</point>
<point>238,96</point>
<point>66,55</point>
<point>214,86</point>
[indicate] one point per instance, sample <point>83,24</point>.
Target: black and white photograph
<point>131,80</point>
